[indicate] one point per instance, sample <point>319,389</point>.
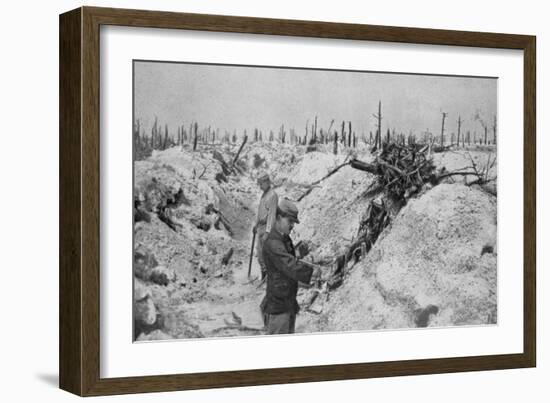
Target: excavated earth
<point>434,265</point>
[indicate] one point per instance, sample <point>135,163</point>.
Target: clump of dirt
<point>427,268</point>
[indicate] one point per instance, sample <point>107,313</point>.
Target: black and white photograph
<point>274,200</point>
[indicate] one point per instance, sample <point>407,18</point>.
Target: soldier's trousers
<point>259,250</point>
<point>281,323</point>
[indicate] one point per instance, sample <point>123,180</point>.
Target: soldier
<point>265,218</point>
<point>284,271</point>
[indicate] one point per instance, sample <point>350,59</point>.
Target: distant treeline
<point>193,135</point>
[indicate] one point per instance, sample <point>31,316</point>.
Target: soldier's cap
<point>288,209</point>
<point>264,178</point>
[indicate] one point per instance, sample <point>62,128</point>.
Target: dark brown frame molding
<point>79,175</point>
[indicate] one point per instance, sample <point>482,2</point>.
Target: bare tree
<point>459,122</point>
<point>314,139</point>
<point>443,116</point>
<point>478,117</point>
<point>196,128</point>
<point>378,136</point>
<point>165,142</point>
<point>154,133</point>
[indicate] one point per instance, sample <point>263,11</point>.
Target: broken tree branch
<point>239,152</point>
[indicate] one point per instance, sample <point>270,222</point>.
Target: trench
<point>214,299</point>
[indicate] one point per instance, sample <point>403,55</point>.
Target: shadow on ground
<point>49,379</point>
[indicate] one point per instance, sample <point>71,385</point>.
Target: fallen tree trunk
<point>363,166</point>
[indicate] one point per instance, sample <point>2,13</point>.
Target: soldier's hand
<point>264,236</point>
<point>303,250</point>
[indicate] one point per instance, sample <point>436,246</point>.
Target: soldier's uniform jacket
<point>283,273</point>
<point>267,211</point>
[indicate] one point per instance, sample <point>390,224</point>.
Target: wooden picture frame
<point>79,314</point>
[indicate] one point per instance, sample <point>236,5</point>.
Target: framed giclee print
<point>249,201</point>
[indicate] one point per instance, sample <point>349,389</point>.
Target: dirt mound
<point>193,230</point>
<point>436,265</point>
<point>273,158</point>
<point>314,166</point>
<point>476,159</point>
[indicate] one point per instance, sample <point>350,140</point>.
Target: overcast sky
<point>235,97</point>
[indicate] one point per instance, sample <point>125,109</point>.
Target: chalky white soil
<point>440,249</point>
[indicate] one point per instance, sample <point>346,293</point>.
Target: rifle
<point>251,253</point>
